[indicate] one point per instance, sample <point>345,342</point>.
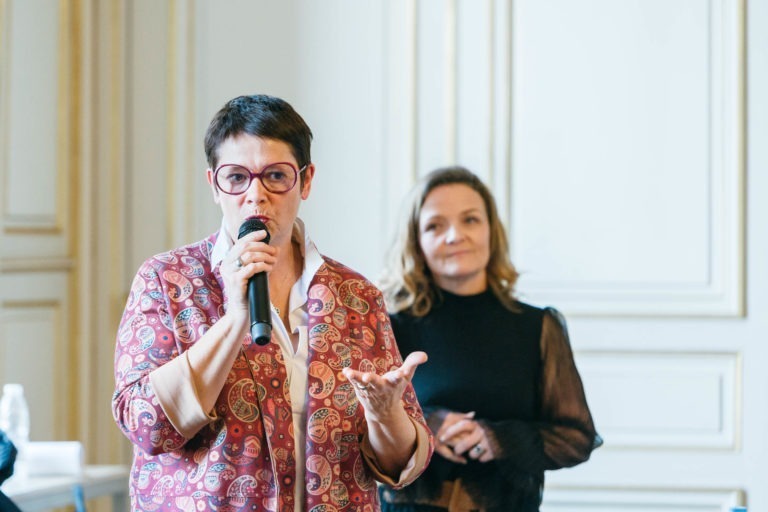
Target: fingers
<point>251,255</point>
<point>465,437</point>
<point>480,451</point>
<point>451,419</point>
<point>486,456</point>
<point>414,359</point>
<point>380,395</point>
<point>253,261</point>
<point>393,377</point>
<point>361,388</point>
<point>455,435</point>
<point>255,236</point>
<point>407,369</point>
<point>467,443</point>
<point>247,257</point>
<point>357,377</point>
<point>459,428</point>
<point>475,445</point>
<point>362,383</point>
<point>447,452</point>
<point>411,362</point>
<point>383,392</point>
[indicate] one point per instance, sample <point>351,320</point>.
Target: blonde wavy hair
<point>407,282</point>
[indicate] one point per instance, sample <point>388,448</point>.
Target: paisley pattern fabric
<point>244,458</point>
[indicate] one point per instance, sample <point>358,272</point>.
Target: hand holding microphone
<point>258,291</point>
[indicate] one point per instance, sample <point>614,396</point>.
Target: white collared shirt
<point>296,365</point>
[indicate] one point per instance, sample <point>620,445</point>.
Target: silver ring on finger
<point>239,263</point>
<point>478,450</point>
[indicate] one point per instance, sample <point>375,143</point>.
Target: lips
<point>262,218</point>
<point>458,253</point>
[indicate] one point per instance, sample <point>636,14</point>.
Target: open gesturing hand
<point>380,394</point>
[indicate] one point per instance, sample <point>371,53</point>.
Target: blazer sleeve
<point>146,343</point>
<point>424,439</point>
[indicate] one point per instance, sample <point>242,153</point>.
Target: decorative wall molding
<point>454,98</point>
<point>402,143</point>
<point>710,281</point>
<point>449,93</point>
<point>669,400</point>
<point>36,265</point>
<point>564,499</point>
<point>36,348</point>
<point>35,184</point>
<point>181,121</point>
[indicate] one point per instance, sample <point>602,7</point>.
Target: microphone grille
<point>251,225</point>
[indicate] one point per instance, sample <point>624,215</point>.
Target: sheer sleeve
<point>565,434</point>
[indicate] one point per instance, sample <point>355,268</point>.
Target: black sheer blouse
<point>515,369</point>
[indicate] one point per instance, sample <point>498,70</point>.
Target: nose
<point>453,234</point>
<point>256,192</point>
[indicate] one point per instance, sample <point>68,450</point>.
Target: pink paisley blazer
<point>244,458</point>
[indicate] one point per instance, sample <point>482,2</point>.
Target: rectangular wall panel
<point>27,356</point>
<point>35,347</point>
<point>435,83</point>
<point>628,156</point>
<point>33,163</point>
<point>475,102</point>
<point>646,500</point>
<point>663,400</point>
<point>36,129</point>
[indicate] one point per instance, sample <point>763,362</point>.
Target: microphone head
<point>251,225</point>
<point>261,333</point>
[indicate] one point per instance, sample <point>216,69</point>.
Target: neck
<point>285,273</point>
<point>465,285</point>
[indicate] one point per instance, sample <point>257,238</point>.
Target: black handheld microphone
<point>258,292</point>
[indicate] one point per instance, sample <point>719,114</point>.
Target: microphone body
<point>258,292</point>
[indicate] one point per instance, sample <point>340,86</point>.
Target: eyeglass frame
<point>252,175</point>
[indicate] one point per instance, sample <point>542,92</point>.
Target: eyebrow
<point>463,212</point>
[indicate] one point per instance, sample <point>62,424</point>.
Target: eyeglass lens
<point>234,179</point>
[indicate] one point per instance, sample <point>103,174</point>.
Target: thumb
<point>413,360</point>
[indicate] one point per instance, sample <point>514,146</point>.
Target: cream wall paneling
<point>38,177</point>
<point>661,400</point>
<point>185,149</point>
<point>627,170</point>
<point>400,120</point>
<point>34,347</point>
<point>449,90</point>
<point>643,500</point>
<point>618,166</point>
<point>34,131</point>
<point>108,142</point>
<point>330,66</point>
<point>483,122</point>
<point>612,136</point>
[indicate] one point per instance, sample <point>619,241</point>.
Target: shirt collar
<point>222,246</point>
<point>312,257</point>
<point>312,262</point>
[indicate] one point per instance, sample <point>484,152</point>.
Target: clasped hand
<point>461,436</point>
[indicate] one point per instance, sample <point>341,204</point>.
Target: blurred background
<point>626,142</point>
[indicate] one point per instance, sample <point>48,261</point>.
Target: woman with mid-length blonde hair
<point>408,285</point>
<point>501,391</point>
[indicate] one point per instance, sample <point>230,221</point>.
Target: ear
<point>214,190</point>
<point>309,173</point>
